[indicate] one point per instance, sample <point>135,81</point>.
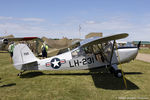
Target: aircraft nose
<point>127,54</point>
<point>133,53</point>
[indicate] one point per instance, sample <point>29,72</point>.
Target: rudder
<point>22,55</point>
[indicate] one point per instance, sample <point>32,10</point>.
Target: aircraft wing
<point>97,40</point>
<point>22,38</point>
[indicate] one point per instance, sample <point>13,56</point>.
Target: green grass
<point>73,85</point>
<point>146,51</point>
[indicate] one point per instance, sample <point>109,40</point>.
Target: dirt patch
<point>143,57</point>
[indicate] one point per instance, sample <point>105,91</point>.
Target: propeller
<point>139,44</point>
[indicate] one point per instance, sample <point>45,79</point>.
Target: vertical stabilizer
<point>22,55</point>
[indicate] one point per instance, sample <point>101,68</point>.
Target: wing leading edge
<point>97,40</point>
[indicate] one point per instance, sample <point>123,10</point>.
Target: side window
<point>78,52</point>
<point>107,50</point>
<point>74,53</point>
<point>88,50</point>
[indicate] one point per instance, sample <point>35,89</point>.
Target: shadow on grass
<point>3,52</point>
<point>31,74</point>
<point>132,73</point>
<point>35,74</point>
<point>8,85</point>
<point>109,81</point>
<point>112,83</point>
<point>101,80</point>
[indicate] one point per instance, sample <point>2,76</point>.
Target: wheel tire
<point>19,74</point>
<point>118,74</point>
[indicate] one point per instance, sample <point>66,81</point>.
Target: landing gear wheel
<point>19,74</point>
<point>118,73</point>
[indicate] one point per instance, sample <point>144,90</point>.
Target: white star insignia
<point>55,63</point>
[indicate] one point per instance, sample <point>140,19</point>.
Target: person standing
<point>11,49</point>
<point>44,49</point>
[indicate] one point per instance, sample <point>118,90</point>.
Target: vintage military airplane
<point>5,41</point>
<point>90,53</point>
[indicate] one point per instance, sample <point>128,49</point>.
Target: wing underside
<point>97,40</point>
<point>22,39</point>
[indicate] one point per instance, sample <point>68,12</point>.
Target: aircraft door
<point>107,50</point>
<point>98,53</point>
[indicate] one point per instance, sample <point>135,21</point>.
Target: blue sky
<point>61,18</point>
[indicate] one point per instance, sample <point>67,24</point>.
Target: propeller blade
<point>139,44</point>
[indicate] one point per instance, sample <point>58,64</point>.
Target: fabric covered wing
<point>97,40</point>
<point>22,39</point>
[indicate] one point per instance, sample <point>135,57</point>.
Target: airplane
<point>91,53</point>
<point>6,41</point>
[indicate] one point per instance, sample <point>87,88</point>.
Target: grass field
<point>73,85</point>
<point>146,51</point>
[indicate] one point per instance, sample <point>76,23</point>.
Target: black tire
<point>19,74</point>
<point>117,72</point>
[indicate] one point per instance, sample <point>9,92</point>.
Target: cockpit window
<point>78,52</point>
<point>102,49</point>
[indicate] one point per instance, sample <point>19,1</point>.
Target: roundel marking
<point>55,63</point>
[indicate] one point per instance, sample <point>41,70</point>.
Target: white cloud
<point>21,26</point>
<point>5,18</point>
<point>108,25</point>
<point>18,29</point>
<point>32,19</point>
<point>2,18</point>
<point>70,29</point>
<point>90,22</point>
<point>116,25</point>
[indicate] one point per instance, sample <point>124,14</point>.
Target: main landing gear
<point>114,70</point>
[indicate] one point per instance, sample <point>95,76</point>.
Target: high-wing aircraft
<point>90,53</point>
<point>5,41</point>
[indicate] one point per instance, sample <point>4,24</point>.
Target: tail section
<point>23,58</point>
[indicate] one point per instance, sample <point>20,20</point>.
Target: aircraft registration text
<point>84,61</point>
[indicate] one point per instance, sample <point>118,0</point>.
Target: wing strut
<point>112,52</point>
<point>124,79</point>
